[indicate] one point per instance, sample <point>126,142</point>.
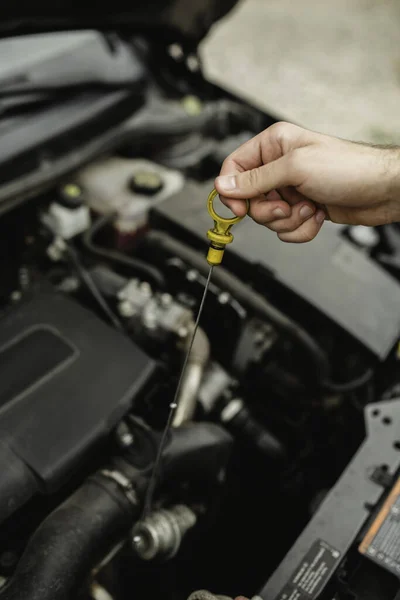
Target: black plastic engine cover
<point>66,378</point>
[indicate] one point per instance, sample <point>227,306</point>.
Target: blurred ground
<point>330,65</point>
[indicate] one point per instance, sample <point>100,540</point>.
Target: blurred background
<point>332,66</point>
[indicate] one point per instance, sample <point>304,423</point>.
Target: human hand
<point>296,178</point>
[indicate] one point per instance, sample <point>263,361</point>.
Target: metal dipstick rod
<point>219,237</point>
<point>172,407</point>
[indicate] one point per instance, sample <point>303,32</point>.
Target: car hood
<point>188,20</point>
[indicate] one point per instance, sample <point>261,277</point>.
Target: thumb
<point>256,182</point>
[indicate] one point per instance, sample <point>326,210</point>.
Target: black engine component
<point>71,541</point>
<point>61,390</point>
<point>249,298</point>
<point>318,272</point>
<point>201,450</point>
<point>99,515</point>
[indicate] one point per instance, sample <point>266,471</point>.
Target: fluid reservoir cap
<point>192,105</point>
<point>148,183</point>
<point>70,195</point>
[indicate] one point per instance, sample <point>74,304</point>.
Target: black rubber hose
<point>243,424</point>
<point>139,267</point>
<point>107,281</point>
<point>91,286</point>
<point>350,386</point>
<point>249,298</point>
<point>71,542</point>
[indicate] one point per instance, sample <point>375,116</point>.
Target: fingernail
<point>306,211</point>
<point>278,212</point>
<point>226,182</point>
<point>320,217</point>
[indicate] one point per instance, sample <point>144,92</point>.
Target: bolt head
<point>16,296</point>
<point>126,439</point>
<point>183,332</point>
<point>145,288</point>
<point>166,300</point>
<point>126,309</point>
<point>150,318</point>
<point>191,275</point>
<point>69,284</point>
<point>224,298</point>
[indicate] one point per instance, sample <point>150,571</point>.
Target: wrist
<point>391,178</point>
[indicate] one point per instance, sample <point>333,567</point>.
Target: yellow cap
<point>215,255</point>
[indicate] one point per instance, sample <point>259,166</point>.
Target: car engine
<point>290,389</point>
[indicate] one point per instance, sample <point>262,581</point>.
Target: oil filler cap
<point>148,183</point>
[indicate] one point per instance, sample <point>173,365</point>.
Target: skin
<point>296,178</point>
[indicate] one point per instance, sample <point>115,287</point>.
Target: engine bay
<point>293,372</point>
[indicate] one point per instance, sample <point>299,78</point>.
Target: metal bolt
<point>126,309</point>
<point>192,63</point>
<point>224,298</point>
<point>183,332</point>
<point>192,275</point>
<point>127,439</point>
<point>150,318</point>
<point>259,338</point>
<point>16,296</point>
<point>176,51</point>
<point>69,284</point>
<point>145,288</point>
<point>166,300</point>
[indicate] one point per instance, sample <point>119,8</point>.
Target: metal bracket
<point>347,507</point>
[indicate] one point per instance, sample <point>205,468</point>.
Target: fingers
<point>272,162</point>
<point>299,214</point>
<point>262,151</point>
<point>269,208</point>
<point>306,232</point>
<point>258,181</point>
<point>238,207</point>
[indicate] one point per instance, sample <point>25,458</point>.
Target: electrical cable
<point>91,287</point>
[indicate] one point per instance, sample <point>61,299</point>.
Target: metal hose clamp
<point>124,483</point>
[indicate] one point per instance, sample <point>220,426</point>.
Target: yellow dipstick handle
<point>220,234</point>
